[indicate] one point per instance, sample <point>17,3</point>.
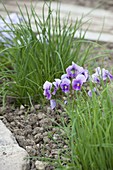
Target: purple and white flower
<point>78,82</point>
<point>56,85</point>
<point>47,89</point>
<point>85,73</point>
<point>95,78</point>
<point>73,70</point>
<point>64,76</point>
<point>101,74</point>
<point>106,74</point>
<point>65,85</point>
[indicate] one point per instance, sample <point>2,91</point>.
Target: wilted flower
<point>47,89</point>
<point>56,85</point>
<point>78,82</point>
<point>65,85</point>
<point>52,104</point>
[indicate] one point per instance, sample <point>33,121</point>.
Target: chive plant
<point>31,57</point>
<point>89,132</point>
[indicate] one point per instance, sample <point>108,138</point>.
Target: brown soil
<point>36,131</point>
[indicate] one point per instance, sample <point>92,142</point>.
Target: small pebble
<point>37,106</point>
<point>22,107</point>
<point>40,165</point>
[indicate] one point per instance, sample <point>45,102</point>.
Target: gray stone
<point>37,106</point>
<point>6,137</point>
<point>40,165</point>
<point>41,115</point>
<point>12,157</point>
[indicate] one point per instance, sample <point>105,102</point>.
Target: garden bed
<point>36,127</point>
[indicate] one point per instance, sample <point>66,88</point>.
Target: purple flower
<point>65,85</point>
<point>101,74</point>
<point>85,73</point>
<point>95,78</point>
<point>106,74</point>
<point>73,70</point>
<point>52,104</point>
<point>47,89</point>
<point>56,85</point>
<point>78,82</point>
<point>64,76</point>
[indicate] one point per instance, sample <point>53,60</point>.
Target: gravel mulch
<point>35,130</point>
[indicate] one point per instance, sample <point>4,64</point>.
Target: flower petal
<point>47,85</point>
<point>52,103</point>
<point>81,77</point>
<point>65,85</point>
<point>56,85</point>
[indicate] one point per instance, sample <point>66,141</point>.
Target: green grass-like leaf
<point>89,132</point>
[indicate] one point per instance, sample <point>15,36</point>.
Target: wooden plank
<point>74,10</point>
<point>95,20</point>
<point>77,10</point>
<point>65,8</point>
<point>96,36</point>
<point>39,6</point>
<point>90,35</point>
<point>94,24</point>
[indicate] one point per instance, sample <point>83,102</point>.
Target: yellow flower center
<point>65,87</point>
<point>78,84</point>
<point>72,71</point>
